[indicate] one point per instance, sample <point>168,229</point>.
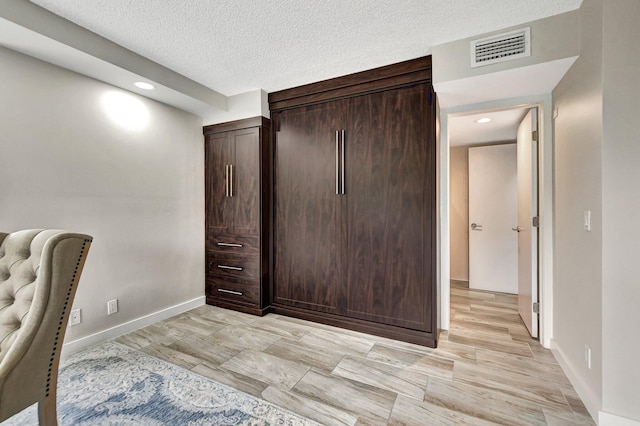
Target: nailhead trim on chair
<point>64,311</point>
<point>17,283</point>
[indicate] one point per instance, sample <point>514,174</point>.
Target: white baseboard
<point>590,400</point>
<point>77,345</point>
<point>608,419</point>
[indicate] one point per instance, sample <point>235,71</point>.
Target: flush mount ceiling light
<point>144,85</point>
<point>483,120</point>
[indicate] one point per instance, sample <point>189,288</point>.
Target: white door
<point>527,210</point>
<point>493,201</point>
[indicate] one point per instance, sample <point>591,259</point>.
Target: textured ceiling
<point>234,46</point>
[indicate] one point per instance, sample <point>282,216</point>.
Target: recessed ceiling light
<point>483,120</point>
<point>144,85</point>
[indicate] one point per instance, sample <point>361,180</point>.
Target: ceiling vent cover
<point>501,47</point>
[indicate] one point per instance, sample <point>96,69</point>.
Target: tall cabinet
<point>237,211</point>
<point>354,202</point>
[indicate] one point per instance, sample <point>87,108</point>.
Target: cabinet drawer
<point>238,267</point>
<point>239,244</point>
<point>236,292</point>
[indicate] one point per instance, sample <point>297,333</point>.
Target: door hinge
<point>534,135</point>
<point>536,308</point>
<point>536,221</point>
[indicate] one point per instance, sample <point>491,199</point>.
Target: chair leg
<point>47,414</point>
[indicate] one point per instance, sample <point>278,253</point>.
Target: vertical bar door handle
<point>343,161</point>
<point>226,180</point>
<point>337,165</point>
<point>231,180</point>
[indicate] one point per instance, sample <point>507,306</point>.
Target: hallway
<point>512,364</point>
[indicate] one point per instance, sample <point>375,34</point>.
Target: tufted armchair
<point>39,274</point>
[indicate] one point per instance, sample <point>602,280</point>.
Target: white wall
<point>459,212</point>
<point>552,38</point>
<point>578,187</point>
<point>245,105</point>
<point>597,152</point>
<point>621,210</point>
<point>65,163</point>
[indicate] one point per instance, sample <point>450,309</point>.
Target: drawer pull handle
<point>233,268</point>
<point>229,245</point>
<point>237,293</point>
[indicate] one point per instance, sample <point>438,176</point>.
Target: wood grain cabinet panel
<point>218,157</point>
<point>234,266</point>
<point>386,243</point>
<point>233,182</point>
<point>237,176</point>
<point>246,182</point>
<point>233,243</point>
<point>230,294</point>
<point>354,202</point>
<point>306,208</point>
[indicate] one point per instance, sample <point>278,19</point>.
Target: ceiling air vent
<point>501,47</point>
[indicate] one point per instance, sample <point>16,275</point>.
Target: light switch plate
<point>587,220</point>
<point>587,356</point>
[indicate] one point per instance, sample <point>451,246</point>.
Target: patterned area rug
<point>111,384</point>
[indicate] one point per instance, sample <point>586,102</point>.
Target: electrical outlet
<point>587,356</point>
<point>76,317</point>
<point>112,306</point>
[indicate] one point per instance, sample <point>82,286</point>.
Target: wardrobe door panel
<point>219,207</point>
<point>246,181</point>
<point>306,269</point>
<point>387,242</point>
<point>236,245</point>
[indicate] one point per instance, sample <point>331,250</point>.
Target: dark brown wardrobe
<point>354,192</point>
<point>237,214</point>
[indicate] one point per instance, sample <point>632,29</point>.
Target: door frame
<point>545,207</point>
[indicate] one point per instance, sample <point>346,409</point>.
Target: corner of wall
<point>265,104</point>
<point>620,208</point>
<point>241,106</point>
<point>586,393</point>
<point>69,348</point>
<point>608,419</point>
<point>577,187</point>
<point>442,218</point>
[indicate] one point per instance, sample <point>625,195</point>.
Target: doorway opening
<point>481,273</point>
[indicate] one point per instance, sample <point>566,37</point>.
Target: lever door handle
<point>517,228</point>
<point>476,227</point>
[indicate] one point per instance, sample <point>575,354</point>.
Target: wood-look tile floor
<point>486,370</point>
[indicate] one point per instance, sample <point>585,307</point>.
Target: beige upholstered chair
<point>39,274</point>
